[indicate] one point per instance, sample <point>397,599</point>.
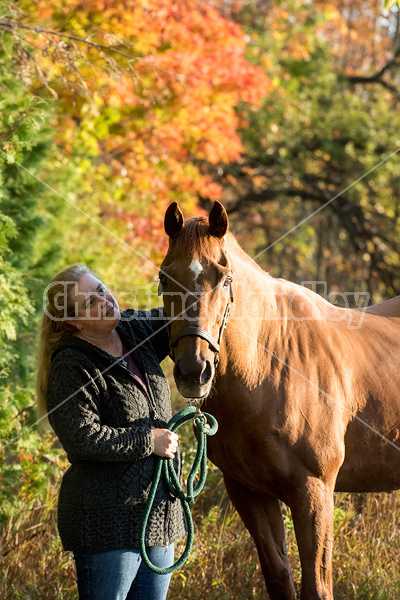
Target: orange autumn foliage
<point>157,119</point>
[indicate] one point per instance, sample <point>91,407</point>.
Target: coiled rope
<point>205,425</point>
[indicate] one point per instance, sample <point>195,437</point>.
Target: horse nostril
<point>177,370</point>
<point>206,373</point>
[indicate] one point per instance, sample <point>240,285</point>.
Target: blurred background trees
<point>330,117</point>
<point>111,110</point>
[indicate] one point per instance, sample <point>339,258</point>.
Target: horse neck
<point>266,318</point>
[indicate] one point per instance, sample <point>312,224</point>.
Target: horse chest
<point>269,450</point>
<point>259,461</point>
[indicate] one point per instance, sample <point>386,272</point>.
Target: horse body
<point>309,381</point>
<point>306,396</point>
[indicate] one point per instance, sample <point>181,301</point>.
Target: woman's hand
<point>165,442</point>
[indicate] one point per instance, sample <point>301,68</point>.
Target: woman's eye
<point>227,282</point>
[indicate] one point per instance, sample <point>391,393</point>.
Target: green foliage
<point>28,257</point>
<point>390,3</point>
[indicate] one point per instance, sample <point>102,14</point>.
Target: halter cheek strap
<point>203,334</point>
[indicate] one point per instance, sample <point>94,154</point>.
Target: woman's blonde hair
<point>54,327</point>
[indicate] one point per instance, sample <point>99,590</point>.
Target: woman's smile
<point>110,310</point>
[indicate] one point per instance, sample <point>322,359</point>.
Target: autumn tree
<point>327,122</point>
<point>146,102</point>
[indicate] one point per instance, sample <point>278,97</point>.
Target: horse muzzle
<point>193,376</point>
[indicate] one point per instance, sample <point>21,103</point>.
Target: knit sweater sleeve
<point>73,400</point>
<point>154,323</point>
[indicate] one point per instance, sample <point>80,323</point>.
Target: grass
<point>32,563</point>
<point>365,558</point>
<point>223,563</point>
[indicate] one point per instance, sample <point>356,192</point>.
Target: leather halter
<point>203,334</point>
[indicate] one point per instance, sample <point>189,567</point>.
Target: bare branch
<point>11,25</point>
<point>377,77</point>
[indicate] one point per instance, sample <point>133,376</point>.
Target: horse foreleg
<point>263,518</point>
<point>312,511</point>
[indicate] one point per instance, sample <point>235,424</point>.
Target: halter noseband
<point>203,334</point>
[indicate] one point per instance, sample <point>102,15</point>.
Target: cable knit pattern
<point>103,418</point>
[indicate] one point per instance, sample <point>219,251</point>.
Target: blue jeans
<point>121,574</point>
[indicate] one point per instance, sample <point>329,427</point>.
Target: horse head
<point>196,283</point>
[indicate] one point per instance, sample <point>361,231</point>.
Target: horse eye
<point>163,280</point>
<point>227,282</point>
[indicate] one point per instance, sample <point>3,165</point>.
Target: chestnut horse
<point>306,394</point>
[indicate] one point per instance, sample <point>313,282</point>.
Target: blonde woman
<point>107,399</point>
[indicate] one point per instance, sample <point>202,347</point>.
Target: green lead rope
<point>206,425</point>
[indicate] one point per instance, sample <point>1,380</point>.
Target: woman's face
<point>96,309</point>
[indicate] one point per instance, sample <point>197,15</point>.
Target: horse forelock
<point>195,239</point>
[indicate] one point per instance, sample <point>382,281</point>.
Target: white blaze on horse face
<point>196,268</point>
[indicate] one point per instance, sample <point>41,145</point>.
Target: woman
<point>108,401</point>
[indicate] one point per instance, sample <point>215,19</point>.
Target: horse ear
<point>218,220</point>
<point>173,220</point>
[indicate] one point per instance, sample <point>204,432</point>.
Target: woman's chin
<point>113,316</point>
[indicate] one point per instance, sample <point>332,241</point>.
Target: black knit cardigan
<point>103,418</point>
